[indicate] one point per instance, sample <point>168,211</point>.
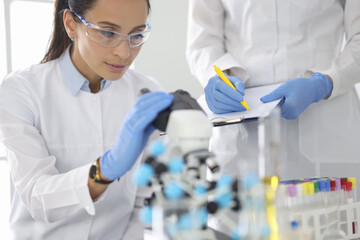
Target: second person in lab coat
<point>75,128</point>
<point>312,47</point>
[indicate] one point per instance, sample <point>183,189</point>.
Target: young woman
<point>70,165</point>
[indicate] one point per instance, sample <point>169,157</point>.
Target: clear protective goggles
<point>108,38</point>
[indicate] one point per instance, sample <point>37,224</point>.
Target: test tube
<point>322,189</point>
<point>305,194</point>
<point>317,194</point>
<point>339,197</point>
<point>353,180</point>
<point>343,189</point>
<point>332,192</point>
<point>299,192</point>
<point>311,192</point>
<point>282,198</point>
<point>292,195</point>
<point>349,193</point>
<point>343,183</point>
<point>328,191</point>
<point>350,200</point>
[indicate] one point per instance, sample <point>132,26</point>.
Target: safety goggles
<point>108,38</point>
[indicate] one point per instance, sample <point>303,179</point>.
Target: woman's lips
<point>116,67</point>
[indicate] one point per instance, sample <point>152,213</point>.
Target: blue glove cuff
<point>326,87</point>
<point>106,168</point>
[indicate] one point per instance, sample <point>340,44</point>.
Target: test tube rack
<point>350,220</point>
<point>313,223</point>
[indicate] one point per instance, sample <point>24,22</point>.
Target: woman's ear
<point>69,24</point>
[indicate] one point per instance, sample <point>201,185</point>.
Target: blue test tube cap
<point>294,225</point>
<point>146,215</point>
<point>176,165</point>
<point>143,175</point>
<point>157,148</point>
<point>322,186</point>
<point>173,190</point>
<point>328,185</point>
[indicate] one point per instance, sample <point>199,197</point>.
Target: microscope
<point>183,199</point>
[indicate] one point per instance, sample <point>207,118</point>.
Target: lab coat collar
<point>73,79</point>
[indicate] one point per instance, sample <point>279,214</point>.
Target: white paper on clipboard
<point>252,97</point>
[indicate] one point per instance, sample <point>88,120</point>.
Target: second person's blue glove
<point>299,93</point>
<point>221,98</point>
<point>134,134</point>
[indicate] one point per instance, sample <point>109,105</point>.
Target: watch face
<point>93,175</point>
<point>92,171</point>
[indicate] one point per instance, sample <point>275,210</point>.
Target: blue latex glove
<point>134,134</point>
<point>299,93</point>
<point>221,98</point>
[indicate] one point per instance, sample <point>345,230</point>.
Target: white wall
<point>3,64</point>
<point>163,55</point>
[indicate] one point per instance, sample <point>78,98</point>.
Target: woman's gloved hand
<point>134,134</point>
<point>299,93</point>
<point>221,98</point>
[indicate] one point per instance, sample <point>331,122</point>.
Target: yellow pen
<point>227,81</point>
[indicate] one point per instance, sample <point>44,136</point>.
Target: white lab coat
<point>265,42</point>
<point>52,137</point>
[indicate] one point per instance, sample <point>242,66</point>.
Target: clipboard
<point>223,122</point>
<point>257,108</point>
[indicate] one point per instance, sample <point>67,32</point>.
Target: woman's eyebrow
<point>118,27</point>
<point>140,26</point>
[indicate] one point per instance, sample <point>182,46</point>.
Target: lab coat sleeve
<point>345,69</point>
<point>48,195</point>
<point>206,41</point>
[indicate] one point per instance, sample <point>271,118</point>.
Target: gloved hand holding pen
<point>134,134</point>
<point>299,93</point>
<point>221,98</point>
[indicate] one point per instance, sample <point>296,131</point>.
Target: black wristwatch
<point>94,173</point>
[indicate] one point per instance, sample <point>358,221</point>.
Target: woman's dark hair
<point>59,39</point>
